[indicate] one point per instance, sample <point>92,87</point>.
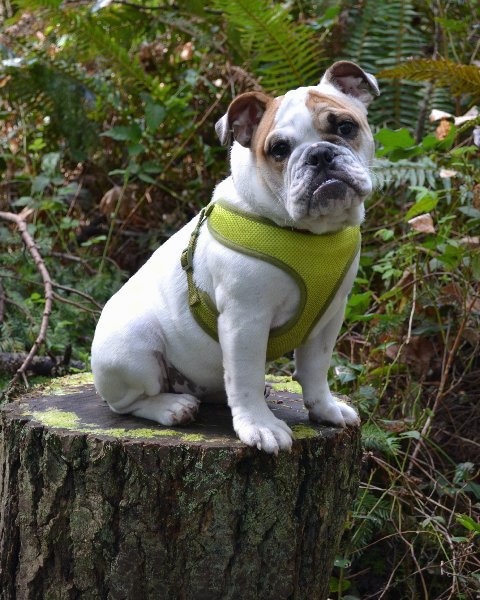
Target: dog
<point>227,291</point>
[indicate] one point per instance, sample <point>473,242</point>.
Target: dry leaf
<point>476,196</point>
<point>422,223</point>
<point>446,173</point>
<point>116,194</point>
<point>470,241</point>
<point>443,129</point>
<point>419,354</point>
<point>440,115</point>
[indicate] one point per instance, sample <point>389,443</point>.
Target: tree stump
<point>97,505</point>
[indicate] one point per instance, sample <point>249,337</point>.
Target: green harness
<point>318,264</point>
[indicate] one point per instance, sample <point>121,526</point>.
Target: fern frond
<point>382,35</point>
<point>375,438</point>
<point>370,514</point>
<point>423,171</point>
<point>285,54</point>
<point>461,79</point>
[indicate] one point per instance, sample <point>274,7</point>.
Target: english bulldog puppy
<point>264,269</point>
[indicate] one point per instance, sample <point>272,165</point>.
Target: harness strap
<point>201,305</point>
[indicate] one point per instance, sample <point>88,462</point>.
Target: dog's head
<point>303,158</point>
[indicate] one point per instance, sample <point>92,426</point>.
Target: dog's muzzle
<point>328,177</point>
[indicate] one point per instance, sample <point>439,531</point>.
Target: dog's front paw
<point>334,411</point>
<point>266,433</point>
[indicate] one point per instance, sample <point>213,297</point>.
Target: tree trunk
<point>96,505</point>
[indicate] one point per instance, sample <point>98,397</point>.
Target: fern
<point>285,54</point>
<point>63,99</point>
<point>114,54</point>
<point>375,438</point>
<point>383,35</point>
<point>421,172</point>
<point>461,79</point>
<point>104,37</point>
<point>370,516</point>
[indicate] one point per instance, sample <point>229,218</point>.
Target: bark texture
<point>95,505</point>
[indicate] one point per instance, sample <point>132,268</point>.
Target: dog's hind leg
<point>145,390</point>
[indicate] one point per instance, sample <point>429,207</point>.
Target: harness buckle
<point>186,259</point>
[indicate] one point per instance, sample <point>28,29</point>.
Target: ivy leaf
<point>397,144</point>
<point>398,138</point>
<point>154,116</point>
<point>125,133</point>
<point>427,200</point>
<point>469,523</point>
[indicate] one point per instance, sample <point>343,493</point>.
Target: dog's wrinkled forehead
<point>307,107</point>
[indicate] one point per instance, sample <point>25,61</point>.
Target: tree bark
<point>95,505</point>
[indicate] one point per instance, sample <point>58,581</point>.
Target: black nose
<point>319,156</point>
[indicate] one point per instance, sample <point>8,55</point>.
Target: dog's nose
<point>320,156</point>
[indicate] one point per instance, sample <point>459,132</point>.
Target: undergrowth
<point>107,147</point>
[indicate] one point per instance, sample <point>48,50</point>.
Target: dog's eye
<point>346,128</point>
<point>279,150</point>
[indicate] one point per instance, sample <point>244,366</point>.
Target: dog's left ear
<point>242,118</point>
<point>352,80</point>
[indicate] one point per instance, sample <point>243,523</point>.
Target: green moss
<point>302,432</point>
<point>284,383</point>
<point>64,385</point>
<point>56,418</point>
<point>193,437</point>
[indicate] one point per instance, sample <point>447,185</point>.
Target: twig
<point>443,382</point>
<point>2,302</point>
<point>47,285</point>
<point>414,306</point>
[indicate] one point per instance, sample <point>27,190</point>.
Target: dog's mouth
<point>330,189</point>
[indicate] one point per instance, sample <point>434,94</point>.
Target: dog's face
<point>311,149</point>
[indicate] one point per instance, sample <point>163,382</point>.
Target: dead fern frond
<point>461,79</point>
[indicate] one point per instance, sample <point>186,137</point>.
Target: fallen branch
<point>30,245</point>
<point>50,366</point>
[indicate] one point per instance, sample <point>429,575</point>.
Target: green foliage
<point>413,284</point>
<point>285,54</point>
<point>376,438</point>
<point>380,35</point>
<point>78,295</point>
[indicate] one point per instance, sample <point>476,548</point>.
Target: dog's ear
<point>352,80</point>
<point>242,118</point>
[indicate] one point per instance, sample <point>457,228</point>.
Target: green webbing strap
<point>318,264</point>
<point>201,305</point>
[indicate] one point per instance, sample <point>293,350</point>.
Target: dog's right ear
<point>242,118</point>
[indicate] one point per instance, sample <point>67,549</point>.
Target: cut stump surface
<point>96,505</point>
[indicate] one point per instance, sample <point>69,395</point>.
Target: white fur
<point>149,316</point>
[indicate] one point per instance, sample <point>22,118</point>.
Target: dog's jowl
<point>264,269</point>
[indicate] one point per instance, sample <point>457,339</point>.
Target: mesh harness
<point>317,263</point>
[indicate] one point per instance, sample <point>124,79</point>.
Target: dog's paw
<point>181,409</point>
<point>267,434</point>
<point>168,409</point>
<point>335,412</point>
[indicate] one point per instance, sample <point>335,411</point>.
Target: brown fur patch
<point>173,381</point>
<point>264,128</point>
<point>323,107</point>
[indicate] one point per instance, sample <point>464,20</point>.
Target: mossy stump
<point>95,505</point>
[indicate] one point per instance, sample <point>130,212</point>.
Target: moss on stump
<point>95,505</point>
